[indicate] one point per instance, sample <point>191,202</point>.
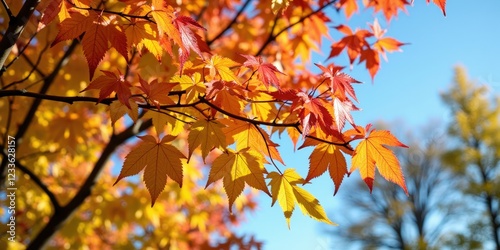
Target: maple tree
<point>202,85</point>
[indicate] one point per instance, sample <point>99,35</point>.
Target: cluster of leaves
<point>242,85</point>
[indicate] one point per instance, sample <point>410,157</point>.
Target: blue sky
<point>406,89</point>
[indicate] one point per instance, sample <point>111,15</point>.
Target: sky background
<point>406,89</point>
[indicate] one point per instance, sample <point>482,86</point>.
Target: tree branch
<point>16,27</point>
<point>57,220</point>
<point>273,37</point>
<point>209,42</point>
<point>34,107</point>
<point>39,183</point>
<point>257,122</point>
<point>7,9</point>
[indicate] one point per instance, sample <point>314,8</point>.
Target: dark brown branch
<point>16,27</point>
<point>7,9</point>
<point>34,107</point>
<point>57,219</point>
<point>34,67</point>
<point>73,99</point>
<point>257,122</point>
<point>243,7</point>
<point>39,183</point>
<point>121,14</point>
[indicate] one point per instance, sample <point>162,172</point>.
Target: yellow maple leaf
<point>284,189</point>
<point>221,66</point>
<point>236,169</point>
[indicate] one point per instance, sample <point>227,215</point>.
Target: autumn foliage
<point>204,86</point>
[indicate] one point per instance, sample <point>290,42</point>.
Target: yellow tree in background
<point>188,95</point>
<point>475,159</point>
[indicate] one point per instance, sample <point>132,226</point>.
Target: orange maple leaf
<point>349,6</point>
<point>372,151</point>
<point>384,44</point>
<point>327,156</point>
<point>158,159</point>
<point>371,59</point>
<point>354,42</point>
<point>390,8</point>
<point>208,135</point>
<point>441,4</point>
<point>98,30</point>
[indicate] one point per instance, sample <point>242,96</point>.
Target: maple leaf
<point>141,34</point>
<point>221,66</point>
<point>160,119</point>
<point>158,159</point>
<point>238,168</point>
<point>109,83</point>
<point>247,135</point>
<point>284,189</point>
<point>440,3</point>
<point>207,134</point>
<point>340,83</point>
<point>312,113</point>
<point>193,85</point>
<point>267,72</point>
<point>327,156</point>
<point>390,8</point>
<point>118,109</point>
<point>157,92</point>
<point>342,112</point>
<point>354,42</point>
<point>225,95</point>
<point>372,151</point>
<point>190,40</point>
<point>372,61</point>
<point>51,11</point>
<point>163,16</point>
<point>384,43</point>
<point>97,28</point>
<point>350,6</point>
<point>277,5</point>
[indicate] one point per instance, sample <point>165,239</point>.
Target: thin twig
<point>273,37</point>
<point>233,21</point>
<point>39,183</point>
<point>203,100</point>
<point>7,9</point>
<point>268,150</point>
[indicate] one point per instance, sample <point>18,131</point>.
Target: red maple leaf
<point>157,92</point>
<point>340,83</point>
<point>313,113</point>
<point>267,72</point>
<point>190,40</point>
<point>109,83</point>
